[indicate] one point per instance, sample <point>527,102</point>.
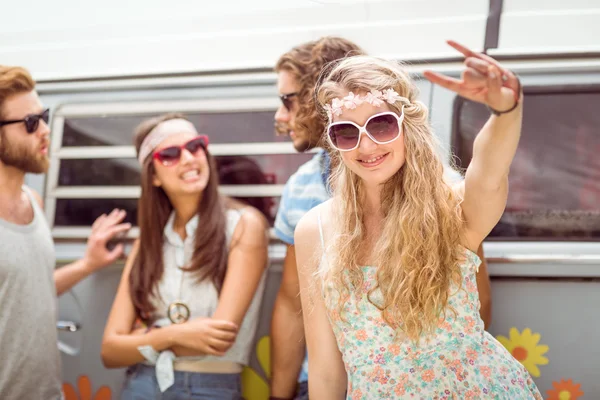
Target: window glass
<point>235,128</point>
<point>555,176</point>
<point>83,212</point>
<point>221,127</point>
<point>233,170</point>
<point>99,172</point>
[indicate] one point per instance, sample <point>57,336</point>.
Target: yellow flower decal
<point>254,387</point>
<point>525,348</point>
<point>565,390</point>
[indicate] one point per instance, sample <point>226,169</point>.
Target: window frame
<point>54,192</point>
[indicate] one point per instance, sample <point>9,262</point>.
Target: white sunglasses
<point>381,128</point>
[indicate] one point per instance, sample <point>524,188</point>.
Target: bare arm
<point>97,256</point>
<point>119,346</point>
<point>327,375</point>
<point>485,290</point>
<point>69,275</point>
<point>245,268</point>
<point>486,182</point>
<point>288,346</point>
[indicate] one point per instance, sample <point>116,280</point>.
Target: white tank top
<point>30,358</point>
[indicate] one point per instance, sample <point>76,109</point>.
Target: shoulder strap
<point>34,203</point>
<point>321,230</point>
<point>233,217</point>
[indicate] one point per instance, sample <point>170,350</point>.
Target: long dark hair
<point>209,259</point>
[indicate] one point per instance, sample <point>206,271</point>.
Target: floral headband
<point>374,97</point>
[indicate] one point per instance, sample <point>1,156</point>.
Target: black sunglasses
<point>286,99</point>
<point>32,122</point>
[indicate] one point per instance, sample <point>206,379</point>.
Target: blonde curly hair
<point>417,253</point>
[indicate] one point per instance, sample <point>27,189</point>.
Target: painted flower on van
<point>254,387</point>
<point>525,348</point>
<point>85,391</point>
<point>565,390</point>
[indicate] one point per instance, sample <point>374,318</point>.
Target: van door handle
<point>67,326</point>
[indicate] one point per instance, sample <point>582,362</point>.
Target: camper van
<point>103,68</point>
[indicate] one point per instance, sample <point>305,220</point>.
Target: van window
<point>98,170</point>
<point>555,177</point>
<point>222,127</point>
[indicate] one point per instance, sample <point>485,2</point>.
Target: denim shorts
<point>140,384</point>
<point>302,392</point>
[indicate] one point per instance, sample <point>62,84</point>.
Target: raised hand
<point>105,228</point>
<point>484,80</point>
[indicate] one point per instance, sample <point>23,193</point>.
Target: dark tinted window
<point>235,128</point>
<point>555,177</point>
<point>83,212</point>
<point>233,170</point>
<point>222,127</point>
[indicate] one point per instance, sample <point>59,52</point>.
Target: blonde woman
<point>387,266</point>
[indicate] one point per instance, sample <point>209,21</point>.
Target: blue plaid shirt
<point>306,189</point>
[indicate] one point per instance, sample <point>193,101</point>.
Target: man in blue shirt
<point>297,73</point>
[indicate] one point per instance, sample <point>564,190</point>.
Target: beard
<point>300,144</point>
<point>21,157</point>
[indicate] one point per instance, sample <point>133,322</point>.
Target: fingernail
<point>493,75</point>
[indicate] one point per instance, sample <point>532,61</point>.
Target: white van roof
<point>71,39</point>
<point>549,27</point>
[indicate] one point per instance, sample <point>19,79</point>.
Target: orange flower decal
<point>85,391</point>
<point>565,390</point>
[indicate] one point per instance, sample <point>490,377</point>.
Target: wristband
<point>498,113</point>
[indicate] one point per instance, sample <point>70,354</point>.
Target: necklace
<point>179,312</point>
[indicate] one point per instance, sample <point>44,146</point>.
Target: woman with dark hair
<point>195,276</point>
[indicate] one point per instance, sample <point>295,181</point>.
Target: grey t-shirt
<point>29,357</point>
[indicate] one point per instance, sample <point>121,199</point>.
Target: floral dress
<point>460,360</point>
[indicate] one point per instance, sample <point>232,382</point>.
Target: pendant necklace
<point>178,312</point>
